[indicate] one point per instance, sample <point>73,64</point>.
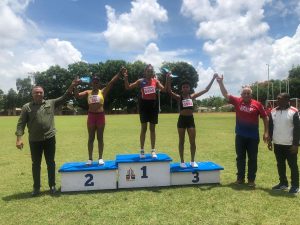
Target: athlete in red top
<point>247,137</point>
<point>148,105</point>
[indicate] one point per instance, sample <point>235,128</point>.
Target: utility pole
<point>268,85</point>
<point>257,91</point>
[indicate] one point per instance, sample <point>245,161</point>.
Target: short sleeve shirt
<point>247,116</point>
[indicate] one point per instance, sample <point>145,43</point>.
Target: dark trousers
<point>282,154</point>
<point>37,148</point>
<point>243,146</point>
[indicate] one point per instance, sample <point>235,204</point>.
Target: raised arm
<point>169,90</point>
<point>196,95</point>
<point>112,81</point>
<point>68,93</point>
<point>126,83</point>
<point>222,87</point>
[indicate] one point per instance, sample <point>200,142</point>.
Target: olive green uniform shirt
<point>39,118</point>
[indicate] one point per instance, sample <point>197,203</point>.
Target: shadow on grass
<point>27,195</point>
<point>245,187</point>
<point>201,187</point>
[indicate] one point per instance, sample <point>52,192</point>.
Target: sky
<point>237,38</point>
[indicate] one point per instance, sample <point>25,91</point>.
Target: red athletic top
<point>148,89</point>
<point>247,116</point>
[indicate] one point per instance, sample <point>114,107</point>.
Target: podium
<point>130,171</point>
<point>77,176</point>
<point>147,172</point>
<point>205,173</point>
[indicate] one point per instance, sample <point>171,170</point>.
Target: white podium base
<point>148,172</point>
<point>77,176</point>
<point>206,173</point>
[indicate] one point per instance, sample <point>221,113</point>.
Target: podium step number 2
<point>77,176</point>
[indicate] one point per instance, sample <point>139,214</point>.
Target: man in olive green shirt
<point>38,115</point>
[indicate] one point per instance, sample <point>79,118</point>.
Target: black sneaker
<point>294,190</point>
<point>280,187</point>
<point>35,192</point>
<point>53,190</point>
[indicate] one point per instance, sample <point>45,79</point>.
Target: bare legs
<point>143,135</point>
<point>92,132</point>
<point>192,136</point>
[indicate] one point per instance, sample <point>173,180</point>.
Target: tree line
<point>56,79</point>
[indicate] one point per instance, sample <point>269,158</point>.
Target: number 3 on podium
<point>196,177</point>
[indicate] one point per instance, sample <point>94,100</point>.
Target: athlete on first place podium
<point>148,104</point>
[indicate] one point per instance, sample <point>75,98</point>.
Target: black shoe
<point>280,187</point>
<point>35,192</point>
<point>294,190</point>
<point>53,190</point>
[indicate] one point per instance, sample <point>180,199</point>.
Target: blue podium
<point>130,171</point>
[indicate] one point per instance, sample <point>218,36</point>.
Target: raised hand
<point>219,78</point>
<point>123,71</point>
<point>76,81</point>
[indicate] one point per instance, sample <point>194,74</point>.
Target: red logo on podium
<point>130,176</point>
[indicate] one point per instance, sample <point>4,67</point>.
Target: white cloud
<point>52,52</point>
<point>154,56</point>
<point>284,8</point>
<point>132,31</point>
<point>286,53</point>
<point>237,41</point>
<point>21,50</point>
<point>12,27</point>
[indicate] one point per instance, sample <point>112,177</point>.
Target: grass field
<point>208,204</point>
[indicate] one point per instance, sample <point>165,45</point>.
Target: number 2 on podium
<point>89,181</point>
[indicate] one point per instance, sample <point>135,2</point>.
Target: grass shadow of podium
<point>156,189</point>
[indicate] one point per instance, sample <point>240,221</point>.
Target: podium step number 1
<point>147,172</point>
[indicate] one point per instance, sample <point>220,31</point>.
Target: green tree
<point>24,88</point>
<point>55,81</point>
<point>2,98</point>
<point>294,81</point>
<point>294,72</point>
<point>10,101</point>
<point>183,71</point>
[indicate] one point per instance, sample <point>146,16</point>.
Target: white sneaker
<point>89,162</point>
<point>194,164</point>
<point>101,162</point>
<point>183,165</point>
<point>153,153</point>
<point>142,155</point>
